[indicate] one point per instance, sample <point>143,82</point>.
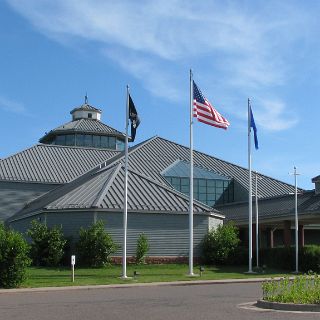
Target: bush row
<point>48,247</point>
<point>284,258</point>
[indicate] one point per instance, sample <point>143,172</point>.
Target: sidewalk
<point>129,285</point>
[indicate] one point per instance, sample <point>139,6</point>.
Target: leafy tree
<point>47,245</point>
<point>220,244</point>
<point>142,248</point>
<point>14,258</point>
<point>95,245</point>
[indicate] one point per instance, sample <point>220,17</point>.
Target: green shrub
<point>220,244</point>
<point>301,290</point>
<point>95,246</point>
<point>47,245</point>
<point>284,258</point>
<point>14,258</point>
<point>309,258</point>
<point>142,248</point>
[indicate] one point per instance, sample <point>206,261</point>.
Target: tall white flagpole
<point>296,218</point>
<point>257,220</point>
<point>250,188</point>
<point>191,182</point>
<point>125,207</point>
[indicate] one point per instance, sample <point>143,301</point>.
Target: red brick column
<point>271,238</point>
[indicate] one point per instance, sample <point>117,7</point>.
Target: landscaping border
<point>287,306</point>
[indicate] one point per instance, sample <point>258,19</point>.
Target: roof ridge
<point>228,162</point>
<point>108,163</point>
<point>106,186</point>
<point>78,122</point>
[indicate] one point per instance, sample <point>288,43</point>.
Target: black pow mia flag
<point>134,118</point>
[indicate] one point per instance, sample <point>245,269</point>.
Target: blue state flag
<point>253,126</point>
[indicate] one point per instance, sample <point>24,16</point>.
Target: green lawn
<point>48,277</point>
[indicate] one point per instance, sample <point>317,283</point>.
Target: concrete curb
<point>134,285</point>
<point>288,306</point>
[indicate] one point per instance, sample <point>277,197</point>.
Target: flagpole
<point>191,182</point>
<point>257,220</point>
<point>125,207</point>
<point>250,188</point>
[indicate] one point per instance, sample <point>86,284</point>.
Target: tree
<point>47,245</point>
<point>14,258</point>
<point>220,243</point>
<point>95,245</point>
<point>142,248</point>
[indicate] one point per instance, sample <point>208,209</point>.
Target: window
<point>208,191</point>
<point>96,141</point>
<point>112,143</point>
<point>70,140</point>
<point>104,142</point>
<point>80,140</point>
<point>89,115</point>
<point>120,144</point>
<point>61,140</point>
<point>88,140</point>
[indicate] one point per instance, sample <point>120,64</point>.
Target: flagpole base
<point>125,278</point>
<point>193,275</point>
<point>250,272</point>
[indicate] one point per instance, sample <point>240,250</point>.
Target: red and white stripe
<point>207,114</point>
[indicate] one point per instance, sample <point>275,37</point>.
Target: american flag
<point>205,112</point>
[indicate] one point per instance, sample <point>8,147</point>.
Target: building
<point>75,176</point>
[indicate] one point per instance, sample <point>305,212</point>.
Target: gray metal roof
<point>85,107</point>
<point>90,126</point>
<point>155,155</point>
<point>51,163</point>
<point>276,207</point>
<point>103,188</point>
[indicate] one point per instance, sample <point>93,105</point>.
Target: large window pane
<point>80,140</point>
<point>61,140</point>
<point>120,144</point>
<point>184,181</point>
<point>202,182</point>
<point>211,183</point>
<point>88,140</point>
<point>219,183</point>
<point>96,141</point>
<point>70,140</point>
<point>112,143</point>
<point>104,142</point>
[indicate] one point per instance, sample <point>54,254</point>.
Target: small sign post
<point>73,262</point>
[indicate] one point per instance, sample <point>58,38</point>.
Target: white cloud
<point>274,116</point>
<point>11,106</point>
<point>244,44</point>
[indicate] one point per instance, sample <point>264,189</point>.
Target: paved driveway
<point>196,302</point>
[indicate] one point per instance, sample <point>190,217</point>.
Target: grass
<point>49,277</point>
<point>304,289</point>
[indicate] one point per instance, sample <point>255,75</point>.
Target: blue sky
<point>53,52</point>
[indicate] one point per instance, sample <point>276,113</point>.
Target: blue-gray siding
<point>168,234</point>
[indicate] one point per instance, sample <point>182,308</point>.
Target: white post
<point>257,221</point>
<point>191,182</point>
<point>296,218</point>
<point>125,207</point>
<point>73,262</point>
<point>250,188</point>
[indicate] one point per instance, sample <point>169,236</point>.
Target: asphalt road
<point>196,302</point>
